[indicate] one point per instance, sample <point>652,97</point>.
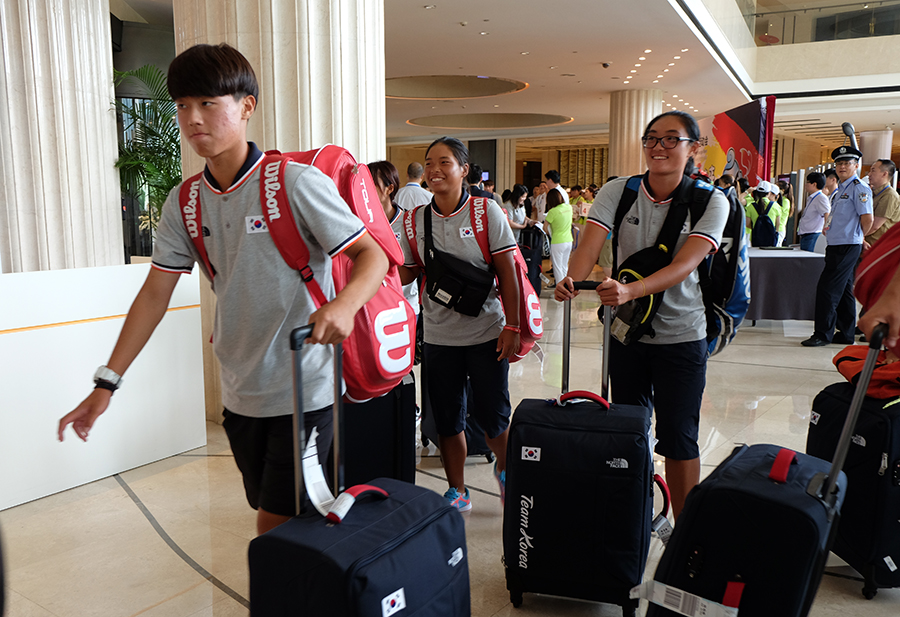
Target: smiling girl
<point>458,346</point>
<point>668,371</point>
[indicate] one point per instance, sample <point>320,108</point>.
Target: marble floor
<point>170,538</point>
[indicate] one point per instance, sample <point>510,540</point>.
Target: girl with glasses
<point>668,371</point>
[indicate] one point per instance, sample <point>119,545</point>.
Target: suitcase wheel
<point>490,457</point>
<point>869,592</point>
<point>516,599</point>
<point>425,441</point>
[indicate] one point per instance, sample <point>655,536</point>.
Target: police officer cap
<point>846,153</point>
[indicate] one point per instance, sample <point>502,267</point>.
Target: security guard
<point>851,218</point>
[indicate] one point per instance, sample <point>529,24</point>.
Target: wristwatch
<point>107,379</point>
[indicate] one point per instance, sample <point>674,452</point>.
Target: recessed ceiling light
<point>678,57</point>
<point>668,104</point>
<point>429,6</point>
<point>680,100</point>
<point>656,81</point>
<point>683,50</point>
<point>484,33</point>
<point>552,67</point>
<point>525,53</point>
<point>674,96</point>
<point>637,65</point>
<point>647,51</point>
<point>496,106</point>
<point>671,64</point>
<point>633,71</point>
<point>658,76</point>
<point>665,70</point>
<point>642,58</point>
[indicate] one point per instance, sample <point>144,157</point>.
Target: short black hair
<point>211,70</point>
<point>457,148</point>
<point>474,175</point>
<point>516,194</point>
<point>552,175</point>
<point>831,172</point>
<point>889,166</point>
<point>386,173</point>
<point>743,184</point>
<point>816,178</point>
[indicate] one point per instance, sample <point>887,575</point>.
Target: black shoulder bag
<point>452,282</point>
<point>634,319</point>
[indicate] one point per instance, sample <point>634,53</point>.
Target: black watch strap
<point>106,385</point>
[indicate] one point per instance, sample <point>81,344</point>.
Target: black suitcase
<point>755,535</point>
<point>475,441</point>
<point>532,252</point>
<point>380,436</point>
<point>401,549</point>
<point>868,537</point>
<point>579,495</point>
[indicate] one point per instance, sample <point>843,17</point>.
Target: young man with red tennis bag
<point>379,351</point>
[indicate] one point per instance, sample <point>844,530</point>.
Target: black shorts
<point>448,368</point>
<point>669,379</point>
<point>264,452</point>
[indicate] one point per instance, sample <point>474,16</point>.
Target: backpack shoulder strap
<point>629,196</point>
<point>282,227</point>
<point>479,219</point>
<point>702,194</point>
<point>189,206</point>
<point>679,209</point>
<point>409,228</point>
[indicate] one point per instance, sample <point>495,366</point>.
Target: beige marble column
<point>629,113</point>
<point>59,191</point>
<point>506,165</point>
<point>320,66</point>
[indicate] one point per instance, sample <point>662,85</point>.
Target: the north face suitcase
<point>868,537</point>
<point>380,436</point>
<point>400,550</point>
<point>579,495</point>
<point>755,535</point>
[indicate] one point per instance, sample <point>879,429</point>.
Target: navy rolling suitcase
<point>755,535</point>
<point>567,459</point>
<point>385,548</point>
<point>868,537</point>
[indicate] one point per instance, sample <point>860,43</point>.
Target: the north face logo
<point>617,463</point>
<point>632,220</point>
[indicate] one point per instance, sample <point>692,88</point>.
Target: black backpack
<point>724,276</point>
<point>764,233</point>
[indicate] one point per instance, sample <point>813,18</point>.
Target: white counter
<point>56,328</point>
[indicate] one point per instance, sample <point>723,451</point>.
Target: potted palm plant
<point>149,160</point>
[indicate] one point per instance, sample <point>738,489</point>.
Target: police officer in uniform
<point>851,218</point>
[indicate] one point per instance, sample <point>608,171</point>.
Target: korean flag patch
<point>256,225</point>
<point>466,232</point>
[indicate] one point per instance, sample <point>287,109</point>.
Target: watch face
<point>106,374</point>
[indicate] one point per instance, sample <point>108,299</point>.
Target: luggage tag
<point>679,601</point>
<point>316,487</point>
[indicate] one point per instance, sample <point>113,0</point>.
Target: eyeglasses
<point>668,142</point>
<point>843,162</point>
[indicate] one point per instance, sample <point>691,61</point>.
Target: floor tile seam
<point>773,366</point>
<point>17,592</point>
<point>177,549</point>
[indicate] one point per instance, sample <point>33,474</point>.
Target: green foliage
<point>150,156</point>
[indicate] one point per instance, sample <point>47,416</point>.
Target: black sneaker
<point>814,341</point>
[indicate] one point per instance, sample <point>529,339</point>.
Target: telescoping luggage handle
<point>567,347</point>
<point>310,481</point>
<point>840,455</point>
